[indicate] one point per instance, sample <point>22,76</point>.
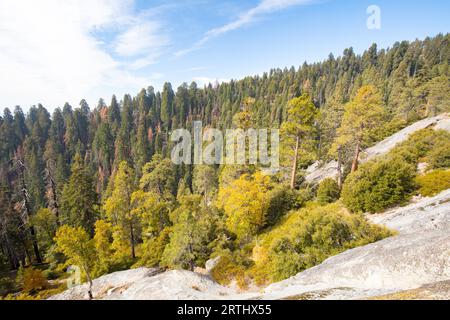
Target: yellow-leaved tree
<point>118,208</point>
<point>79,250</point>
<point>245,203</point>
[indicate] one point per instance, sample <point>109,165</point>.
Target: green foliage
<point>79,201</point>
<point>7,285</point>
<point>159,177</point>
<point>305,238</point>
<point>192,231</point>
<point>425,145</point>
<point>297,133</point>
<point>350,100</point>
<point>328,192</point>
<point>233,265</point>
<point>153,249</point>
<point>439,156</point>
<point>361,116</point>
<point>205,181</point>
<point>433,182</point>
<point>281,200</point>
<point>45,223</point>
<point>378,185</point>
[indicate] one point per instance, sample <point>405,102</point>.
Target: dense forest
<point>94,186</point>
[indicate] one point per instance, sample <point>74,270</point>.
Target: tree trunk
<point>339,168</point>
<point>21,168</point>
<point>90,283</point>
<point>133,253</point>
<point>191,262</point>
<point>356,158</point>
<point>294,165</point>
<point>37,254</point>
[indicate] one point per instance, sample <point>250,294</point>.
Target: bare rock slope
<point>318,172</point>
<point>414,262</point>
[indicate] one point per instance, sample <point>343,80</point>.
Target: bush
<point>307,237</point>
<point>328,192</point>
<point>425,145</point>
<point>281,200</point>
<point>233,266</point>
<point>7,285</point>
<point>33,280</point>
<point>378,185</point>
<point>153,249</point>
<point>434,182</point>
<point>439,157</point>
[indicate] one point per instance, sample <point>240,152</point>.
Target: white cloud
<point>140,38</point>
<point>245,18</point>
<point>49,54</point>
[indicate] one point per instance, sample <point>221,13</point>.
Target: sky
<point>54,51</point>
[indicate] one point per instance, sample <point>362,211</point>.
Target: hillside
<point>107,188</point>
<point>417,259</point>
<point>320,171</point>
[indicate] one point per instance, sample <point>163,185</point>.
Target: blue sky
<point>55,51</point>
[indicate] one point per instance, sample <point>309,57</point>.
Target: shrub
<point>425,143</point>
<point>233,266</point>
<point>307,237</point>
<point>434,182</point>
<point>281,200</point>
<point>33,280</point>
<point>439,157</point>
<point>153,249</point>
<point>328,192</point>
<point>7,285</point>
<point>378,185</point>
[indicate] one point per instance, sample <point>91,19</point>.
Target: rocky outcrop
<point>417,256</point>
<point>417,260</point>
<point>318,171</point>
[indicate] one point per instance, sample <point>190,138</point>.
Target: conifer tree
<point>79,201</point>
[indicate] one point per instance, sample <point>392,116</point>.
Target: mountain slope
<point>418,257</point>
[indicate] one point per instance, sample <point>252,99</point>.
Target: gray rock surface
<point>318,172</point>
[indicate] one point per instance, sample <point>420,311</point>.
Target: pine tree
<point>361,116</point>
<point>298,130</point>
<point>79,201</point>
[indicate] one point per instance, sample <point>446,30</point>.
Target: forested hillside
<point>94,186</point>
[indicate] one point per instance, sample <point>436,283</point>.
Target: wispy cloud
<point>50,51</point>
<point>245,18</point>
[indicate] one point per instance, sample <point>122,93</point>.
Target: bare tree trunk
<point>339,168</point>
<point>133,253</point>
<point>52,196</point>
<point>191,262</point>
<point>294,165</point>
<point>90,283</point>
<point>356,158</point>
